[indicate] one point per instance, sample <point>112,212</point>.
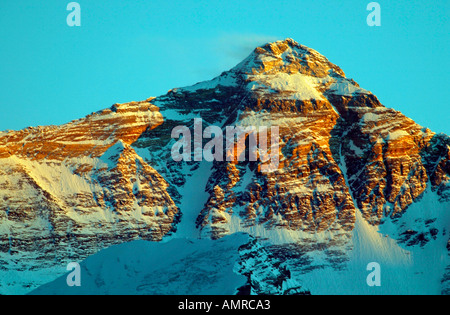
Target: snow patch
<point>395,135</point>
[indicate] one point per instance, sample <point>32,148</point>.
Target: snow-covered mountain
<point>356,183</point>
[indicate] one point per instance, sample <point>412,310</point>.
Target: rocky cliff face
<point>71,190</point>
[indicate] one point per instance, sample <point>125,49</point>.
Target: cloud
<point>232,48</point>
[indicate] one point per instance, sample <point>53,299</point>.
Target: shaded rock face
<point>68,191</point>
<point>391,161</point>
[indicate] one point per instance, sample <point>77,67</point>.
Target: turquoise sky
<point>51,73</point>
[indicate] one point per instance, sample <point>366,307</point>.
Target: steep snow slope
<point>405,270</point>
<point>180,267</point>
<point>193,198</point>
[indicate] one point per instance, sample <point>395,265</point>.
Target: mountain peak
<point>285,69</point>
<point>280,46</point>
<point>291,57</point>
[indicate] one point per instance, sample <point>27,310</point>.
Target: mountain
<point>356,182</point>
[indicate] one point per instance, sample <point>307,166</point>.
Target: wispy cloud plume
<point>232,48</point>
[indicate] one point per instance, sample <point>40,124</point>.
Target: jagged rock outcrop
<point>264,274</point>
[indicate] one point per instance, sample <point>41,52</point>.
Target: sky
<point>125,51</point>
